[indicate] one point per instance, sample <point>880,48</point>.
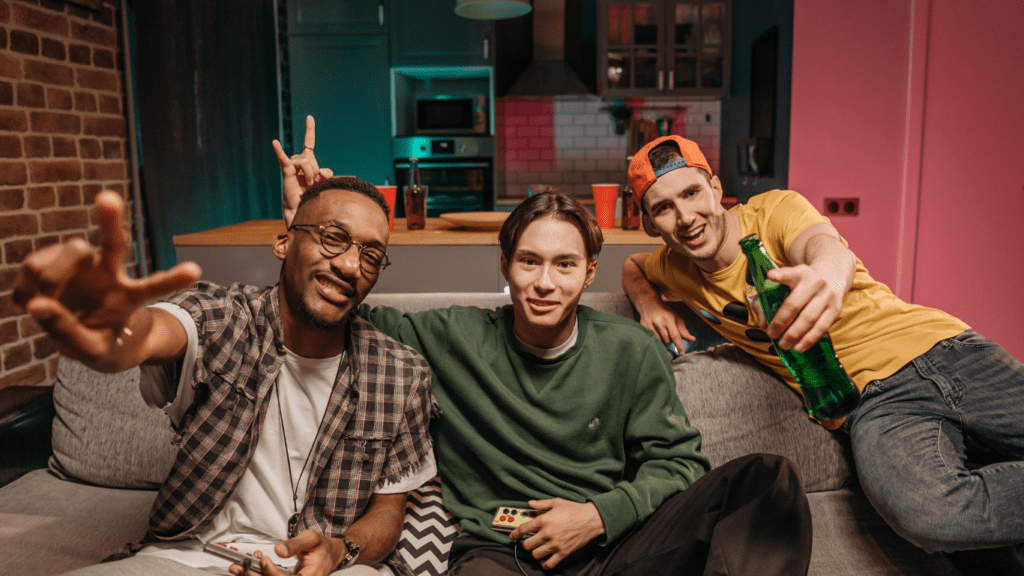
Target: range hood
<point>549,74</point>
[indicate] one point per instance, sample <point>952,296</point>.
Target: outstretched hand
<point>83,297</point>
<point>299,172</point>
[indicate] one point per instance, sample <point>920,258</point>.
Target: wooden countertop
<point>437,233</point>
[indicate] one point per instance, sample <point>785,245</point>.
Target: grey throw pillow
<point>104,433</point>
<point>741,408</point>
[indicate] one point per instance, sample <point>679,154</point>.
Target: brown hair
<point>554,205</point>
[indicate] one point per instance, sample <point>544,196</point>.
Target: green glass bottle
<point>828,392</point>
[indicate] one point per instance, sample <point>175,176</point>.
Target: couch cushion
<point>50,526</point>
<point>741,408</point>
<point>428,531</point>
<point>104,433</point>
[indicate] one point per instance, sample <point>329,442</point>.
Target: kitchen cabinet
<point>343,81</point>
<point>664,48</point>
<point>431,34</point>
<point>334,17</point>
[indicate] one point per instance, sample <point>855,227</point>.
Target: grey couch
<point>110,453</point>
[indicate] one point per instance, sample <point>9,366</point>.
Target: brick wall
<point>570,142</point>
<point>62,140</point>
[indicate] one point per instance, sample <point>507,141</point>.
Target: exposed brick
<point>31,376</point>
<point>7,275</point>
<point>104,16</point>
<point>111,149</point>
<point>43,346</point>
<point>8,332</point>
<point>80,54</point>
<point>103,58</point>
<point>49,73</point>
<point>89,148</point>
<point>18,225</point>
<point>31,95</point>
<point>89,192</point>
<point>103,126</point>
<point>5,11</point>
<point>57,5</point>
<point>42,242</point>
<point>6,93</point>
<point>110,104</point>
<point>41,197</point>
<point>13,121</point>
<point>80,235</point>
<point>59,98</point>
<point>57,220</point>
<point>119,188</point>
<point>98,80</point>
<point>54,49</point>
<point>69,195</point>
<point>94,237</point>
<point>41,20</point>
<point>51,367</point>
<point>64,147</point>
<point>78,11</point>
<point>3,38</point>
<point>105,170</point>
<point>24,42</point>
<point>12,200</point>
<point>17,355</point>
<point>13,174</point>
<point>10,147</point>
<point>16,250</point>
<point>29,327</point>
<point>37,146</point>
<point>7,307</point>
<point>10,66</point>
<point>93,34</point>
<point>56,122</point>
<point>55,170</point>
<point>85,102</point>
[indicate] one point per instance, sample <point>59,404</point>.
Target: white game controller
<point>507,518</point>
<point>221,549</point>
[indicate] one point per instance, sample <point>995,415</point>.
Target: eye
<point>566,264</point>
<point>334,238</point>
<point>372,256</point>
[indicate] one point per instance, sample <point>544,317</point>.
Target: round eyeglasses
<point>336,240</point>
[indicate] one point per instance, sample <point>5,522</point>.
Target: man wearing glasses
<point>298,424</point>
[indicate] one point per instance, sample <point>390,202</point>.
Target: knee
<point>772,467</point>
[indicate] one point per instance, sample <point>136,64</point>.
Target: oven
<point>457,171</point>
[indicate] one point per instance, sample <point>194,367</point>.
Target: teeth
<point>695,234</point>
<point>330,287</point>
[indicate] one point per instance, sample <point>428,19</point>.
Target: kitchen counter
<point>440,258</point>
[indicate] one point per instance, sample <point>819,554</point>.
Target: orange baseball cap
<point>642,174</point>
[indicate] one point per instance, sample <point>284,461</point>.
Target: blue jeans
<point>908,443</point>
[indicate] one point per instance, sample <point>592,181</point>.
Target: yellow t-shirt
<point>875,335</point>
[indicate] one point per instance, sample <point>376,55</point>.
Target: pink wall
<point>915,108</point>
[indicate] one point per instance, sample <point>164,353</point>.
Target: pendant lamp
<point>492,9</point>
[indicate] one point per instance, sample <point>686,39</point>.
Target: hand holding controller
<point>247,561</point>
<point>507,518</point>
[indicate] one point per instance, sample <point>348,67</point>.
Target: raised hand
<point>84,298</point>
<point>299,172</point>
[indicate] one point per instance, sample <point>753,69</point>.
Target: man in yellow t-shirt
<point>926,379</point>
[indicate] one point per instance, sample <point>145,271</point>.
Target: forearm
<point>832,260</point>
<point>635,284</point>
<point>377,531</point>
<point>149,336</point>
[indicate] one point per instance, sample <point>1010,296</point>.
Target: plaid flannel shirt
<point>376,425</point>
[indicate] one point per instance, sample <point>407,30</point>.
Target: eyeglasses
<point>336,240</point>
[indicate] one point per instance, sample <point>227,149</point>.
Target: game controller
<point>507,518</point>
<point>221,549</point>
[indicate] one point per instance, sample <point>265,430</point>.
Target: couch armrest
<point>26,420</point>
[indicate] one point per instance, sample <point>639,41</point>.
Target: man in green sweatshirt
<point>559,408</point>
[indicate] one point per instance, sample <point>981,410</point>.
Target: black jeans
<point>748,516</point>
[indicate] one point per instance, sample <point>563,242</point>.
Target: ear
<point>716,186</point>
<point>280,245</point>
<point>504,267</point>
<point>591,272</point>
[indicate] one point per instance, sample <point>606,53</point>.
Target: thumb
<point>541,504</point>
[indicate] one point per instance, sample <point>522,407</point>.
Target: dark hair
<point>350,183</point>
<point>554,205</point>
<point>666,152</point>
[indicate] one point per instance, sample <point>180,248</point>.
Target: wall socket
<point>842,206</point>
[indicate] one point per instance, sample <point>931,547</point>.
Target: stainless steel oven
<point>457,171</point>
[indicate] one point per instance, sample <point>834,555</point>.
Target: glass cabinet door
<point>683,42</point>
<point>713,38</point>
<point>633,37</point>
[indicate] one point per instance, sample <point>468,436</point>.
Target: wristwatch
<point>353,552</point>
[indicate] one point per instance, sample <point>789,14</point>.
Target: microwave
<point>451,114</point>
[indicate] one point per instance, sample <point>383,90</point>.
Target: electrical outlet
<point>842,206</point>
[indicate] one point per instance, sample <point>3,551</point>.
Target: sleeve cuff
<point>617,513</point>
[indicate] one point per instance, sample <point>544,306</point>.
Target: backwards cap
<point>642,175</point>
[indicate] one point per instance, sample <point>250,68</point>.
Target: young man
<point>927,380</point>
<point>556,407</point>
<point>298,424</point>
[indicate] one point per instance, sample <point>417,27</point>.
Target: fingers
<point>326,173</point>
<point>309,142</point>
<point>48,271</point>
<point>72,337</point>
<point>165,282</point>
<point>114,237</point>
<point>304,541</point>
<point>282,158</point>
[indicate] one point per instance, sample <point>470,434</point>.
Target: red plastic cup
<point>390,192</point>
<point>604,203</point>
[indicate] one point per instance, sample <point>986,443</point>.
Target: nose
<point>544,282</point>
<point>347,263</point>
<point>684,216</point>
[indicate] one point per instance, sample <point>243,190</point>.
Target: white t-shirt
<point>255,516</point>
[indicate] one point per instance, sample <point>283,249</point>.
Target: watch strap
<point>352,549</point>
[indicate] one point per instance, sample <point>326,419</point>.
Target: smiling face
<point>319,290</point>
<point>686,210</point>
<point>547,273</point>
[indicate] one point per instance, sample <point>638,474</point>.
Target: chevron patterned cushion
<point>428,531</point>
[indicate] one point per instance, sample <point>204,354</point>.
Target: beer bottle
<point>415,199</point>
<point>630,207</point>
<point>827,390</point>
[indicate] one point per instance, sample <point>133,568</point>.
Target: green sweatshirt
<point>600,423</point>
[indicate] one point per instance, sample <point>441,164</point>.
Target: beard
<point>319,323</point>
